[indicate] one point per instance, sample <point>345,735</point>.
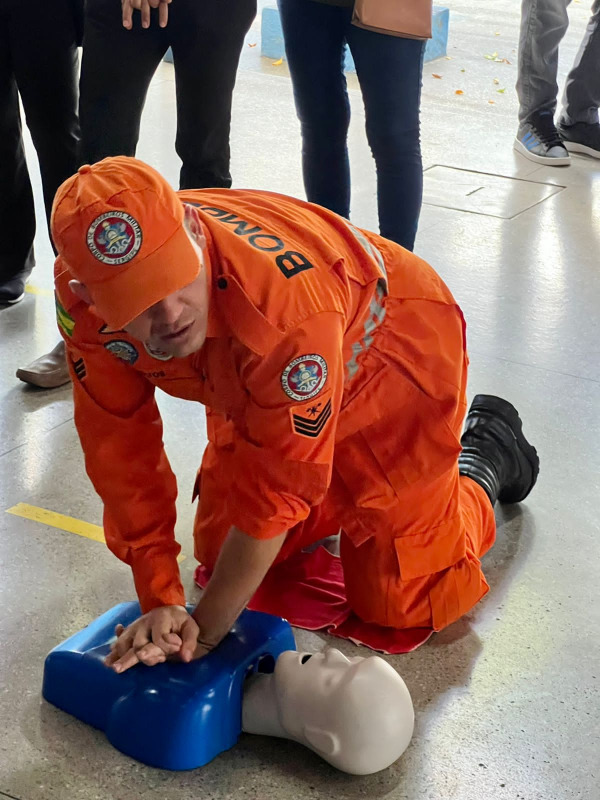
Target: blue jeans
<point>389,70</point>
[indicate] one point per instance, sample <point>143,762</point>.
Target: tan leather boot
<point>48,371</point>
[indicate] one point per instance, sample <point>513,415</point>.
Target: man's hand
<point>144,6</point>
<point>162,632</point>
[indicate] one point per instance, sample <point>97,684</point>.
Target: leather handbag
<point>410,19</point>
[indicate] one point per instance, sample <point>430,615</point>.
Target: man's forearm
<point>242,564</point>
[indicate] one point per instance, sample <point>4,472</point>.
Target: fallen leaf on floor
<point>463,70</point>
<point>491,57</point>
<point>459,91</point>
<point>504,60</point>
<point>492,102</point>
<point>252,45</point>
<point>433,75</point>
<point>500,91</point>
<point>278,63</point>
<point>497,33</point>
<point>496,81</point>
<point>448,58</point>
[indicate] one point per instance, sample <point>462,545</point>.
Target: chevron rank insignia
<point>311,418</point>
<point>79,368</point>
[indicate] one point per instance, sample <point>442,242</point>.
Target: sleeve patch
<point>304,377</point>
<point>312,419</point>
<point>65,321</point>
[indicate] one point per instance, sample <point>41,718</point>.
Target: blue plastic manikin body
<point>175,716</point>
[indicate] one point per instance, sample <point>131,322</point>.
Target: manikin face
<point>356,713</point>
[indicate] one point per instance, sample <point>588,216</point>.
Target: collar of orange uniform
<point>216,326</point>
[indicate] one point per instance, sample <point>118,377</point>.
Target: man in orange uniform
<point>333,366</point>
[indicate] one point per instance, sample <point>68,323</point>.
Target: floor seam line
<point>533,366</point>
<point>24,444</point>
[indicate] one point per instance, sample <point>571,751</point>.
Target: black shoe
<point>495,452</point>
<point>582,137</point>
<point>13,290</point>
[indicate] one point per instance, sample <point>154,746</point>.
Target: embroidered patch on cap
<point>304,377</point>
<point>123,350</point>
<point>114,237</point>
<point>158,354</point>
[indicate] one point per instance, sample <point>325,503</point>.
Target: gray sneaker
<point>582,137</point>
<point>538,140</point>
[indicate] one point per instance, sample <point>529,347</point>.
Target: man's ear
<point>193,225</point>
<point>81,291</point>
<point>322,741</point>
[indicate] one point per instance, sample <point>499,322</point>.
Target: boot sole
<point>12,301</point>
<point>526,453</point>
<point>577,147</point>
<point>563,161</point>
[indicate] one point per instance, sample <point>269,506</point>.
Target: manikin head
<point>135,253</point>
<point>355,713</point>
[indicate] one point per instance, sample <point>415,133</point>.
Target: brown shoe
<point>49,371</point>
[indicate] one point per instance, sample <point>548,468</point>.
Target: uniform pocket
<point>431,551</point>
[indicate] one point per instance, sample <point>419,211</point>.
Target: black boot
<point>495,453</point>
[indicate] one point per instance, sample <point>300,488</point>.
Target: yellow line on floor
<point>62,522</point>
<point>31,289</point>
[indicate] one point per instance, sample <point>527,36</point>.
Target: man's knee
<point>379,592</point>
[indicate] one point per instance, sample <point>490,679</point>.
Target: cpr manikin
<point>355,713</point>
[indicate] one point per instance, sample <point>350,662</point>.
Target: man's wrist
<point>210,633</point>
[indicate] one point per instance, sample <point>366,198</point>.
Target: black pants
<point>38,60</point>
<point>206,37</point>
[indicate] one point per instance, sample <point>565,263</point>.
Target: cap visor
<point>121,299</point>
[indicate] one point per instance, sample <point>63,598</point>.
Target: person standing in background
<point>124,42</point>
<point>389,70</point>
<point>39,62</point>
<point>122,50</point>
<point>543,26</point>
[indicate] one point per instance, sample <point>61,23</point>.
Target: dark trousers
<point>206,37</point>
<point>38,60</point>
<point>389,70</point>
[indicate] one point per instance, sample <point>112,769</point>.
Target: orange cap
<point>118,226</point>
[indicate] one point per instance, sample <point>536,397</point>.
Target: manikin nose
<point>334,656</point>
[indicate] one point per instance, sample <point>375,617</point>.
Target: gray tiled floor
<point>507,700</point>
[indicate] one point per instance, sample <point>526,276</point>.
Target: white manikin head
<point>355,713</point>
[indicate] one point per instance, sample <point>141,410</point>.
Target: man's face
<point>176,325</point>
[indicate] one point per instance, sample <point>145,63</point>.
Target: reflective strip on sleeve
<point>369,249</point>
<point>373,321</point>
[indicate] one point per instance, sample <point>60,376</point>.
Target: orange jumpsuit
<point>334,376</point>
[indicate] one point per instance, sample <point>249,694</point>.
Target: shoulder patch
<point>65,321</point>
<point>304,377</point>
